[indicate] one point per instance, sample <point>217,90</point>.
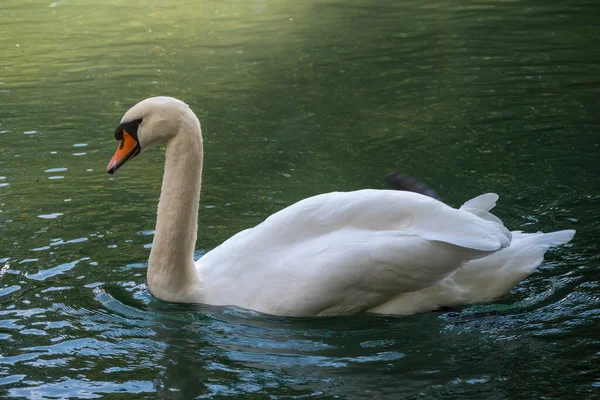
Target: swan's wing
<point>378,210</point>
<point>346,252</point>
<point>481,205</point>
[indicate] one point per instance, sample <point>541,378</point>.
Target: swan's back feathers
<point>405,212</point>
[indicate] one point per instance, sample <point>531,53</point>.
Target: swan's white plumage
<point>337,253</point>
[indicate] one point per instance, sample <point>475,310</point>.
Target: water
<point>295,98</point>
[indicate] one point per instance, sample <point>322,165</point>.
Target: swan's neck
<point>171,273</point>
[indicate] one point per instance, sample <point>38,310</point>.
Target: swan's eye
<point>130,127</point>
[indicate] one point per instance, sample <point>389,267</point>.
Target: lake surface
<point>295,98</point>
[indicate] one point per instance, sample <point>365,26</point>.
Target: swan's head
<point>150,122</point>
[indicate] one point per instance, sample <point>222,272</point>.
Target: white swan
<point>380,251</point>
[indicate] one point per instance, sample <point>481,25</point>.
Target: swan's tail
<point>553,239</point>
<point>489,278</point>
<point>483,280</point>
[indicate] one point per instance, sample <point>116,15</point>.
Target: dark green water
<point>295,98</point>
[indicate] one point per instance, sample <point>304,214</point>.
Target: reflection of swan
<point>385,251</point>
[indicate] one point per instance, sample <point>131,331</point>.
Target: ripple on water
<point>8,290</point>
<point>36,332</point>
<point>50,216</point>
<point>11,379</point>
<point>59,241</point>
<point>76,388</point>
<point>28,260</point>
<point>134,266</point>
<point>59,269</point>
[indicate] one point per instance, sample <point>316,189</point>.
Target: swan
<point>340,253</point>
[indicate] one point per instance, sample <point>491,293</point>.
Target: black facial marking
<point>130,127</point>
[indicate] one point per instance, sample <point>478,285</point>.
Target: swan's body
<point>382,251</point>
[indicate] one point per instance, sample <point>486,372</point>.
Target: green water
<point>295,98</point>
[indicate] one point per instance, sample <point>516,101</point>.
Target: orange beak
<point>128,148</point>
